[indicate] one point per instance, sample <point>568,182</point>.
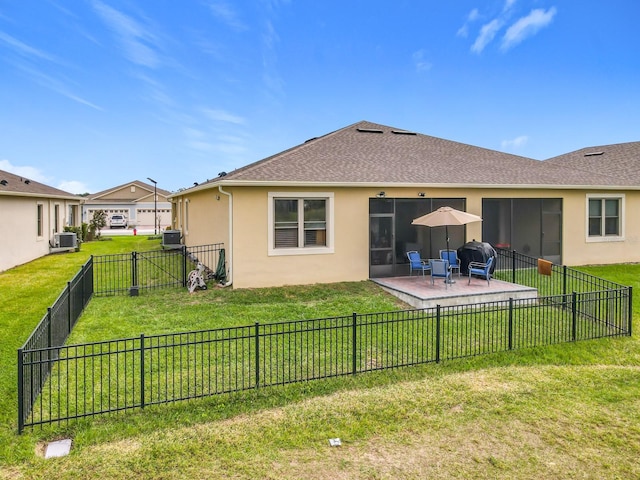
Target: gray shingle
<point>360,154</point>
<point>16,184</point>
<point>621,160</point>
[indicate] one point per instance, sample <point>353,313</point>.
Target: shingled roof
<point>11,184</point>
<point>620,160</point>
<point>149,189</point>
<point>367,153</point>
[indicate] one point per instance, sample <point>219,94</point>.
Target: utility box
<point>171,239</point>
<point>66,240</point>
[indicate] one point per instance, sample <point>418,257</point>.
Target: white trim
<point>186,216</point>
<point>604,238</point>
<point>230,246</point>
<point>271,251</point>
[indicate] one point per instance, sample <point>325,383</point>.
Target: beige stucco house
<point>134,200</point>
<point>339,207</point>
<point>31,213</point>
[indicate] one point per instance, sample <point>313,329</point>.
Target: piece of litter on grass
<point>335,442</point>
<point>60,448</point>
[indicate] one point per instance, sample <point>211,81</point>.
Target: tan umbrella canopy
<point>445,216</point>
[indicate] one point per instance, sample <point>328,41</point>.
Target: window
<point>56,218</point>
<point>300,223</point>
<point>605,217</point>
<point>40,219</point>
<point>73,213</point>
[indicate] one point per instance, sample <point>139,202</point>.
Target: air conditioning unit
<point>171,239</point>
<point>65,240</point>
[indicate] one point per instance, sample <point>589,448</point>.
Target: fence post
<point>513,266</point>
<point>69,309</point>
<point>511,323</point>
<point>564,280</point>
<point>354,343</point>
<point>184,265</point>
<point>49,332</point>
<point>85,270</point>
<point>142,370</point>
<point>574,316</point>
<point>257,347</point>
<point>630,309</point>
<point>93,276</point>
<point>20,391</point>
<point>133,291</point>
<point>438,333</point>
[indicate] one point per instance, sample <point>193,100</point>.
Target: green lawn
<point>567,411</point>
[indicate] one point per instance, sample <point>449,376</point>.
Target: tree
<point>98,221</point>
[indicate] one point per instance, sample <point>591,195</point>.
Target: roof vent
<point>310,140</point>
<point>27,181</point>
<point>370,130</point>
<point>592,154</point>
<point>403,132</point>
<point>222,174</point>
<point>3,182</point>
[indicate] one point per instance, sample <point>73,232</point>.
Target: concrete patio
<point>418,292</point>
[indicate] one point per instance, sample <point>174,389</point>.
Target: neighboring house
<point>31,213</point>
<point>134,200</point>
<point>339,207</point>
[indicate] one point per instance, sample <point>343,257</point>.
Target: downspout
<point>230,248</point>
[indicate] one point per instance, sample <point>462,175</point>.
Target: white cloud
<point>202,141</point>
<point>420,63</point>
<point>223,116</point>
<point>270,75</point>
<point>32,173</point>
<point>139,43</point>
<point>73,186</point>
<point>56,85</point>
<point>35,174</point>
<point>487,33</point>
<point>527,26</point>
<point>229,148</point>
<point>224,12</point>
<point>508,4</point>
<point>463,31</point>
<point>515,143</point>
<point>24,49</point>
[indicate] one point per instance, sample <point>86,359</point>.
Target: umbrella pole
<point>446,232</point>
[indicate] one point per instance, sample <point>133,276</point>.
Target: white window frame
<point>327,249</point>
<point>40,220</point>
<point>56,218</point>
<point>606,238</point>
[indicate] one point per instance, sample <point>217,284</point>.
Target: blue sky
<point>96,93</point>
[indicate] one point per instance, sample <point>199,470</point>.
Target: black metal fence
<point>515,267</point>
<point>51,332</point>
<point>59,383</point>
<point>128,273</point>
<point>132,373</point>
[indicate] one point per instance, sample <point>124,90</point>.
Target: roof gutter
<point>44,196</point>
<point>230,248</point>
<point>510,186</point>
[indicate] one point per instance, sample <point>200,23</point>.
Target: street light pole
<point>155,205</point>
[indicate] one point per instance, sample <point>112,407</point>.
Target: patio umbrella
<point>445,216</point>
